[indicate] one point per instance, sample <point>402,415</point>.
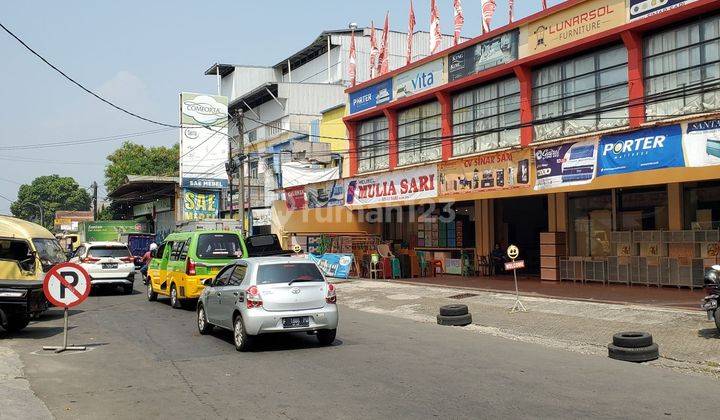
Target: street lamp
<point>40,207</point>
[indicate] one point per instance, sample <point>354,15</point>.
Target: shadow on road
<point>110,291</point>
<point>276,342</point>
<point>709,333</point>
<point>35,331</point>
<point>53,314</point>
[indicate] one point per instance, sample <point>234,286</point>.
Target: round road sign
<point>513,252</point>
<point>66,285</point>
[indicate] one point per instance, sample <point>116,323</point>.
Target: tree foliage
<point>136,159</point>
<point>54,193</point>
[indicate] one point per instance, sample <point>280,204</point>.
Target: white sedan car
<point>108,263</point>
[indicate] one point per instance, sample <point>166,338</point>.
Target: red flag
<point>511,10</point>
<point>411,29</point>
<point>384,63</point>
<point>352,67</point>
<point>459,20</point>
<point>373,52</point>
<point>435,35</point>
<point>544,4</point>
<point>488,10</point>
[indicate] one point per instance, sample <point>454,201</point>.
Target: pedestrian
<point>498,258</point>
<point>146,258</point>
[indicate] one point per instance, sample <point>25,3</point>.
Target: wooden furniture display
<point>552,247</point>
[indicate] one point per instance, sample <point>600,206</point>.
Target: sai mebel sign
<point>389,187</point>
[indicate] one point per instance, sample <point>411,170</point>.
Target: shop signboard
<point>491,172</point>
<point>157,206</point>
<point>371,96</point>
<point>261,217</point>
<point>334,265</point>
<point>420,78</point>
<point>580,21</point>
<point>327,194</point>
<point>642,150</point>
<point>640,9</point>
<point>407,184</point>
<point>203,141</point>
<point>565,164</point>
<point>493,52</point>
<point>297,173</point>
<point>295,198</point>
<point>109,230</point>
<point>702,143</point>
<point>200,205</point>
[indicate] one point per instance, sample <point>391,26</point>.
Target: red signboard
<point>295,198</point>
<point>514,265</point>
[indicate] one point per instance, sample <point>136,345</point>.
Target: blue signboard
<point>205,183</point>
<point>371,96</point>
<point>334,265</point>
<point>645,8</point>
<point>642,150</point>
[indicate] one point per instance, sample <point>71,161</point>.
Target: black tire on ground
<point>128,289</point>
<point>457,320</point>
<point>203,325</point>
<point>632,339</point>
<point>16,323</point>
<point>174,299</point>
<point>240,337</point>
<point>634,354</point>
<point>453,310</point>
<point>717,318</point>
<point>326,337</point>
<point>151,295</point>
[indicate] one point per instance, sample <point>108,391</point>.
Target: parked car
<point>108,263</point>
<point>185,258</point>
<point>269,295</point>
<point>265,245</point>
<point>19,302</point>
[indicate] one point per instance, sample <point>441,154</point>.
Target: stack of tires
<point>455,315</point>
<point>633,347</point>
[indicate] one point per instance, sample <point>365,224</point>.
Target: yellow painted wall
<point>332,128</point>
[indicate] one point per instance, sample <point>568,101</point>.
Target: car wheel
<point>16,323</point>
<point>717,318</point>
<point>203,325</point>
<point>632,339</point>
<point>151,295</point>
<point>458,320</point>
<point>174,301</point>
<point>326,337</point>
<point>128,289</point>
<point>240,337</point>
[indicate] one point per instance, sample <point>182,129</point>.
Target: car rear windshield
<point>108,252</point>
<point>284,273</point>
<point>219,245</point>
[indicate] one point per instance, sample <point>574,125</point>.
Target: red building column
<point>352,146</point>
<point>636,85</point>
<point>392,120</point>
<point>527,132</point>
<point>446,114</point>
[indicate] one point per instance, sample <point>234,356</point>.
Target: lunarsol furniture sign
<point>490,172</point>
<point>389,187</point>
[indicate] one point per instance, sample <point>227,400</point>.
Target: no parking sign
<point>66,285</point>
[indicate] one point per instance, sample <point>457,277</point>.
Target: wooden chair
<point>482,266</point>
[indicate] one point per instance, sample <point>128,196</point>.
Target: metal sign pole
<point>64,347</point>
<point>513,252</point>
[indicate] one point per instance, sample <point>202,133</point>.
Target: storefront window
<point>682,70</point>
<point>642,208</point>
<point>588,92</point>
<point>419,134</point>
<point>480,116</point>
<point>373,151</point>
<point>702,205</point>
<point>590,223</point>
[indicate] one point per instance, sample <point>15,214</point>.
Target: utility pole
<point>241,158</point>
<point>94,200</point>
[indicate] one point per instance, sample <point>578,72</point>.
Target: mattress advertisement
<point>327,194</point>
<point>334,265</point>
<point>408,184</point>
<point>371,96</point>
<point>497,171</point>
<point>565,164</point>
<point>427,76</point>
<point>702,143</point>
<point>493,52</point>
<point>645,8</point>
<point>642,150</point>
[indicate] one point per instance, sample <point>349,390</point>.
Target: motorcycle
<point>712,288</point>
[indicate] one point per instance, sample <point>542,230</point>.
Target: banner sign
<point>200,205</point>
<point>642,150</point>
<point>493,52</point>
<point>580,21</point>
<point>328,194</point>
<point>296,173</point>
<point>565,164</point>
<point>203,141</point>
<point>702,143</point>
<point>371,96</point>
<point>491,172</point>
<point>295,198</point>
<point>334,265</point>
<point>645,8</point>
<point>261,217</point>
<point>157,206</point>
<point>408,184</point>
<point>421,78</point>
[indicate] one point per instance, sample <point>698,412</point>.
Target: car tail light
<point>331,296</point>
<point>90,260</point>
<point>127,259</point>
<point>252,298</point>
<point>190,267</point>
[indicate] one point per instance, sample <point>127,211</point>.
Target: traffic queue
<point>250,286</point>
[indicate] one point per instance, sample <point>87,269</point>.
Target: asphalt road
<point>148,360</point>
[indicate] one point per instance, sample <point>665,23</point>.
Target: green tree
<point>53,193</point>
<point>136,159</point>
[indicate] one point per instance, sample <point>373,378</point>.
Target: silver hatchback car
<point>265,295</point>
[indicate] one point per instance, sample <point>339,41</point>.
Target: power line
<point>92,140</point>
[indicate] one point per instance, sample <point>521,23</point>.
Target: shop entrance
<point>519,221</point>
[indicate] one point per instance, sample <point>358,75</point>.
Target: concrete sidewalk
<point>18,400</point>
<point>687,341</point>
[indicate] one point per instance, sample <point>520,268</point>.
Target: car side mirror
<point>207,282</point>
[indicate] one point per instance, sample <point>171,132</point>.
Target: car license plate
<point>109,266</point>
<point>296,321</point>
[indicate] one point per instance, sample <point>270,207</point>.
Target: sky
<point>142,54</point>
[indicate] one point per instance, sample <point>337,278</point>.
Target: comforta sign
<point>408,184</point>
<point>645,8</point>
<point>371,96</point>
<point>565,164</point>
<point>643,150</point>
<point>203,141</point>
<point>421,78</point>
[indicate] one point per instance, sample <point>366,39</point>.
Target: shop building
<point>587,134</point>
